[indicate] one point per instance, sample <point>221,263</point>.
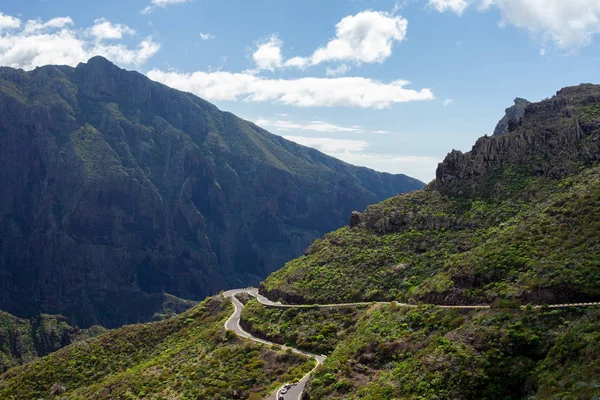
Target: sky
<point>391,85</point>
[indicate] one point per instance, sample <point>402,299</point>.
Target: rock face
<point>355,218</point>
<point>555,138</point>
<point>512,116</point>
<point>115,189</point>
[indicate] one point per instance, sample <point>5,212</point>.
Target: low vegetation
<point>317,330</point>
<point>24,340</point>
<point>452,251</point>
<point>433,353</point>
<point>191,356</point>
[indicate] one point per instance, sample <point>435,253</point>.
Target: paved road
<point>263,300</point>
<point>233,324</point>
<point>295,392</point>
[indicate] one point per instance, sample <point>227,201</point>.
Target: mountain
<point>115,189</point>
<point>517,217</point>
<point>512,223</point>
<point>515,221</point>
<point>512,115</point>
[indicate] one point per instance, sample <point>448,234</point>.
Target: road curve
<point>295,392</point>
<point>233,324</point>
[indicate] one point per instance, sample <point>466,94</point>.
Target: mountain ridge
<point>116,189</point>
<point>497,223</point>
<point>504,233</point>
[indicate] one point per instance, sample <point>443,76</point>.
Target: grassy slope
<point>517,222</point>
<point>540,249</point>
<point>315,330</point>
<point>517,217</point>
<point>23,340</point>
<point>430,353</point>
<point>188,357</point>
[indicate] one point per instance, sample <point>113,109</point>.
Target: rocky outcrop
<point>355,219</point>
<point>115,190</point>
<point>512,116</point>
<point>553,139</point>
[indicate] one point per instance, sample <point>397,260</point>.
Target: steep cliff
<point>512,115</point>
<point>554,139</point>
<point>115,189</point>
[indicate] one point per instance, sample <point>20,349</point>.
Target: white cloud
<point>304,92</point>
<point>268,54</point>
<point>160,4</point>
<point>37,25</point>
<point>365,37</point>
<point>456,6</point>
<point>8,22</point>
<point>315,126</point>
<point>56,42</point>
<point>380,131</point>
<point>340,70</point>
<point>353,152</point>
<point>567,24</point>
<point>104,29</point>
<point>206,36</point>
<point>447,102</point>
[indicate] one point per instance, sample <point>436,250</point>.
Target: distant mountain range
<point>115,189</point>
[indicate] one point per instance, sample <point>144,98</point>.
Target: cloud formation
<point>339,70</point>
<point>304,92</point>
<point>268,54</point>
<point>104,29</point>
<point>456,6</point>
<point>314,126</point>
<point>367,37</point>
<point>160,4</point>
<point>8,22</point>
<point>206,36</point>
<point>56,41</point>
<point>568,25</point>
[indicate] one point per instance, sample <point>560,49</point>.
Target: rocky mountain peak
<point>553,138</point>
<point>512,115</point>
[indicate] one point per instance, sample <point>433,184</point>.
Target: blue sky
<point>392,85</point>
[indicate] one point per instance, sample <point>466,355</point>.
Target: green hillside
<point>513,224</point>
<point>434,354</point>
<point>23,340</point>
<point>516,218</point>
<point>191,356</point>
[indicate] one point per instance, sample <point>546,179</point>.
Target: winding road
<point>233,324</point>
<point>295,391</point>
